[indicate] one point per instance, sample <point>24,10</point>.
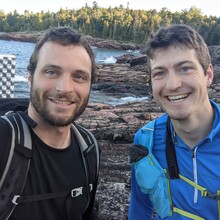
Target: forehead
<point>172,55</point>
<point>56,47</point>
<point>68,58</point>
<point>55,51</point>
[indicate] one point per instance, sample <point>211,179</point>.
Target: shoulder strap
<point>86,147</point>
<point>146,135</point>
<point>141,150</point>
<point>16,169</point>
<point>171,154</point>
<point>146,139</point>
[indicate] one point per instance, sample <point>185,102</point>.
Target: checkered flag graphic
<point>7,74</point>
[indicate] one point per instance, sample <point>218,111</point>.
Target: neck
<point>53,136</point>
<point>56,137</point>
<point>194,130</point>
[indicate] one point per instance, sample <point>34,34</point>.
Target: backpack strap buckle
<point>90,187</point>
<point>14,200</point>
<point>76,192</point>
<point>212,195</point>
<point>80,190</point>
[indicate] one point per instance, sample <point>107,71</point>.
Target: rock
<point>119,122</point>
<point>132,59</point>
<point>33,37</point>
<point>215,54</point>
<point>21,36</point>
<point>122,80</point>
<point>140,60</point>
<point>112,44</point>
<point>125,58</point>
<point>115,127</point>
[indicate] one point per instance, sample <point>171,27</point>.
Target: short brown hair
<point>179,35</point>
<point>64,36</point>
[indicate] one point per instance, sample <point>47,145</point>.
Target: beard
<point>43,110</point>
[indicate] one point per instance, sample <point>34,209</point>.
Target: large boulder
<point>21,36</point>
<point>122,80</point>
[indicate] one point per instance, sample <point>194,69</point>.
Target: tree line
<point>119,23</point>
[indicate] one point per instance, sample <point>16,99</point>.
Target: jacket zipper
<point>195,176</point>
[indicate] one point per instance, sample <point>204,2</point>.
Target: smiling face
<point>179,83</point>
<point>60,85</point>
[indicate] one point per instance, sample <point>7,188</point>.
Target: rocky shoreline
<point>115,126</point>
<point>33,37</point>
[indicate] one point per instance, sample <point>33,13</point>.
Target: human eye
<point>158,74</point>
<point>81,77</point>
<point>185,69</point>
<point>52,73</point>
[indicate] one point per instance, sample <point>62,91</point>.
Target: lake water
<point>23,50</point>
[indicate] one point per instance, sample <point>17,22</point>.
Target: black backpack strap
<point>92,144</point>
<point>91,154</point>
<point>14,175</point>
<point>171,154</point>
<point>87,142</point>
<point>45,196</point>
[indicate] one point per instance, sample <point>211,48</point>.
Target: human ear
<point>209,75</point>
<point>30,78</point>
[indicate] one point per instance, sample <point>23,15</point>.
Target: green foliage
<point>119,23</point>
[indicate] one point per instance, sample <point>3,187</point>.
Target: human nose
<point>64,84</point>
<point>173,81</point>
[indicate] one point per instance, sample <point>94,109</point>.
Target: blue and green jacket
<point>199,165</point>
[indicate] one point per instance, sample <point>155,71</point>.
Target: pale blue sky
<point>208,7</point>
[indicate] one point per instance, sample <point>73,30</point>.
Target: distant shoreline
<point>33,37</point>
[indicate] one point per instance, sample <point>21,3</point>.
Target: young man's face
<point>179,83</point>
<point>61,83</point>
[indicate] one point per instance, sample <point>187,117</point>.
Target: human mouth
<point>62,102</point>
<point>177,98</point>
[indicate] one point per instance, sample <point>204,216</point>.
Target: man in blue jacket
<point>181,73</point>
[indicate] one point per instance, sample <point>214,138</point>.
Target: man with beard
<point>61,71</point>
<point>182,179</point>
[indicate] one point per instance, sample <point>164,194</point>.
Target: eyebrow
<point>51,66</point>
<point>183,62</point>
<point>176,65</point>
